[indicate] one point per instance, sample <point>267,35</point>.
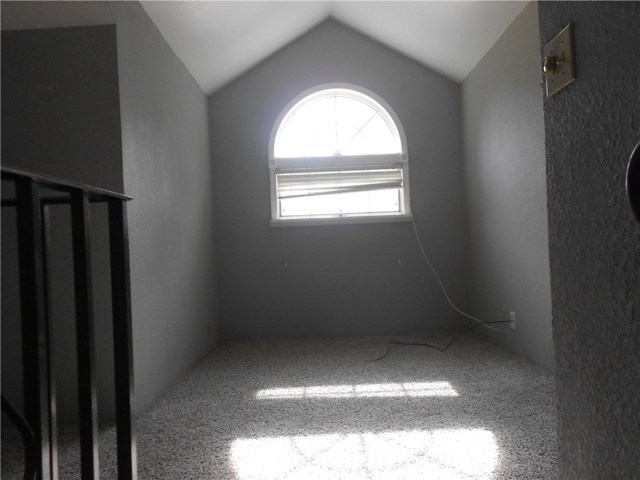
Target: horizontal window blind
<point>301,183</point>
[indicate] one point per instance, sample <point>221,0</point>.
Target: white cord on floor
<point>444,290</point>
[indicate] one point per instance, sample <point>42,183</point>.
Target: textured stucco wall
<point>506,190</point>
<point>338,279</point>
<point>590,130</point>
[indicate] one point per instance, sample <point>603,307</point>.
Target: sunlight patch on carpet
<point>444,454</point>
<point>408,389</point>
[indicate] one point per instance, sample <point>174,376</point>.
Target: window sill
<point>303,222</point>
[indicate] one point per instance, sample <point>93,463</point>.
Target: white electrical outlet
<point>512,318</point>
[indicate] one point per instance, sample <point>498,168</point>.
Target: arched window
<point>338,153</point>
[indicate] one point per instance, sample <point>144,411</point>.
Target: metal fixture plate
<point>559,65</point>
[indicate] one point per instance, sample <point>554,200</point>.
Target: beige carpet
<point>323,410</point>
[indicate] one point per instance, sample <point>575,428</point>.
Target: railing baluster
<point>37,330</point>
<point>122,350</point>
<point>51,381</point>
<point>84,335</point>
<point>33,312</point>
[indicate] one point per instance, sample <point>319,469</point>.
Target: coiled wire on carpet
<point>464,332</point>
<point>453,306</point>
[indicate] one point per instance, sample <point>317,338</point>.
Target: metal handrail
<point>56,183</point>
<point>32,214</point>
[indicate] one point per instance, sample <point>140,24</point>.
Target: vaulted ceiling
<point>220,40</point>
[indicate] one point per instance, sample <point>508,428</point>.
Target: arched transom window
<point>338,152</point>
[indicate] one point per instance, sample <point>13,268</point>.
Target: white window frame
<point>394,160</point>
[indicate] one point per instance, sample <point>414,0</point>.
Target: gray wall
<point>167,170</point>
<point>61,116</point>
<point>11,334</point>
<point>163,161</point>
<point>594,244</point>
<point>505,180</point>
<point>69,125</point>
<point>341,279</point>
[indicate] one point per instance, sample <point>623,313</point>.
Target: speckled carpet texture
<point>319,409</point>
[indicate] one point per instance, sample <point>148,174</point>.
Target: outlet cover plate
<point>561,47</point>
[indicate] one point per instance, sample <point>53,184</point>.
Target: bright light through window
<point>338,153</point>
<point>408,389</point>
<point>336,122</point>
<point>335,192</point>
<point>445,454</point>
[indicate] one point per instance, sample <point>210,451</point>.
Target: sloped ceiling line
<point>220,40</point>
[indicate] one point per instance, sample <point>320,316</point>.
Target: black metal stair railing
<point>38,380</point>
<point>28,439</point>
